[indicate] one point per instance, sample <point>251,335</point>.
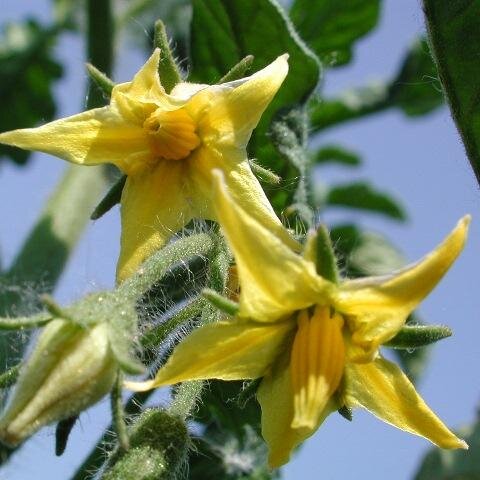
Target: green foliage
<point>223,32</point>
<point>414,90</point>
<point>361,195</point>
<point>454,464</point>
<point>331,27</point>
<point>335,154</point>
<point>27,72</point>
<point>453,35</point>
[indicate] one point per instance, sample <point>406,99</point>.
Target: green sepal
<point>346,413</point>
<point>112,197</point>
<point>9,377</point>
<point>326,262</point>
<point>54,309</point>
<point>415,336</point>
<point>167,68</point>
<point>238,70</point>
<point>22,323</point>
<point>62,432</point>
<point>264,174</point>
<point>101,80</point>
<point>219,301</point>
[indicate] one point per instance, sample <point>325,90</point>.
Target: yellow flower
<point>167,145</point>
<point>315,343</point>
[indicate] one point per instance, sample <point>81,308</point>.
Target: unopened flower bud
<point>70,368</point>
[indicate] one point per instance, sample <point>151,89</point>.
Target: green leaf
<point>336,154</point>
<point>455,43</point>
<point>416,89</point>
<point>224,32</point>
<point>331,27</point>
<point>363,196</point>
<point>27,72</point>
<point>454,464</point>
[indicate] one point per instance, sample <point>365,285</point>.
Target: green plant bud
<point>71,367</point>
<point>159,443</point>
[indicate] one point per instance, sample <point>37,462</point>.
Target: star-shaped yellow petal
<point>322,352</point>
<point>168,145</point>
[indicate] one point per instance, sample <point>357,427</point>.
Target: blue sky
<point>421,161</point>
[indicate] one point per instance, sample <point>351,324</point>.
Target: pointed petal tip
<point>463,444</point>
<point>465,220</point>
<point>8,138</point>
<point>140,386</point>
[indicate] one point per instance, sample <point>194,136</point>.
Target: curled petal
<point>243,186</point>
<point>384,390</point>
<point>377,307</point>
<point>226,351</point>
<point>234,108</point>
<point>274,280</point>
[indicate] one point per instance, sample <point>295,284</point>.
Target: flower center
<point>316,365</point>
<point>172,133</point>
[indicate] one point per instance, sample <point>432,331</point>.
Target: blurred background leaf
<point>415,90</point>
<point>27,73</point>
<point>363,196</point>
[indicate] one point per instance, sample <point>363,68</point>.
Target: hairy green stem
<point>160,262</point>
